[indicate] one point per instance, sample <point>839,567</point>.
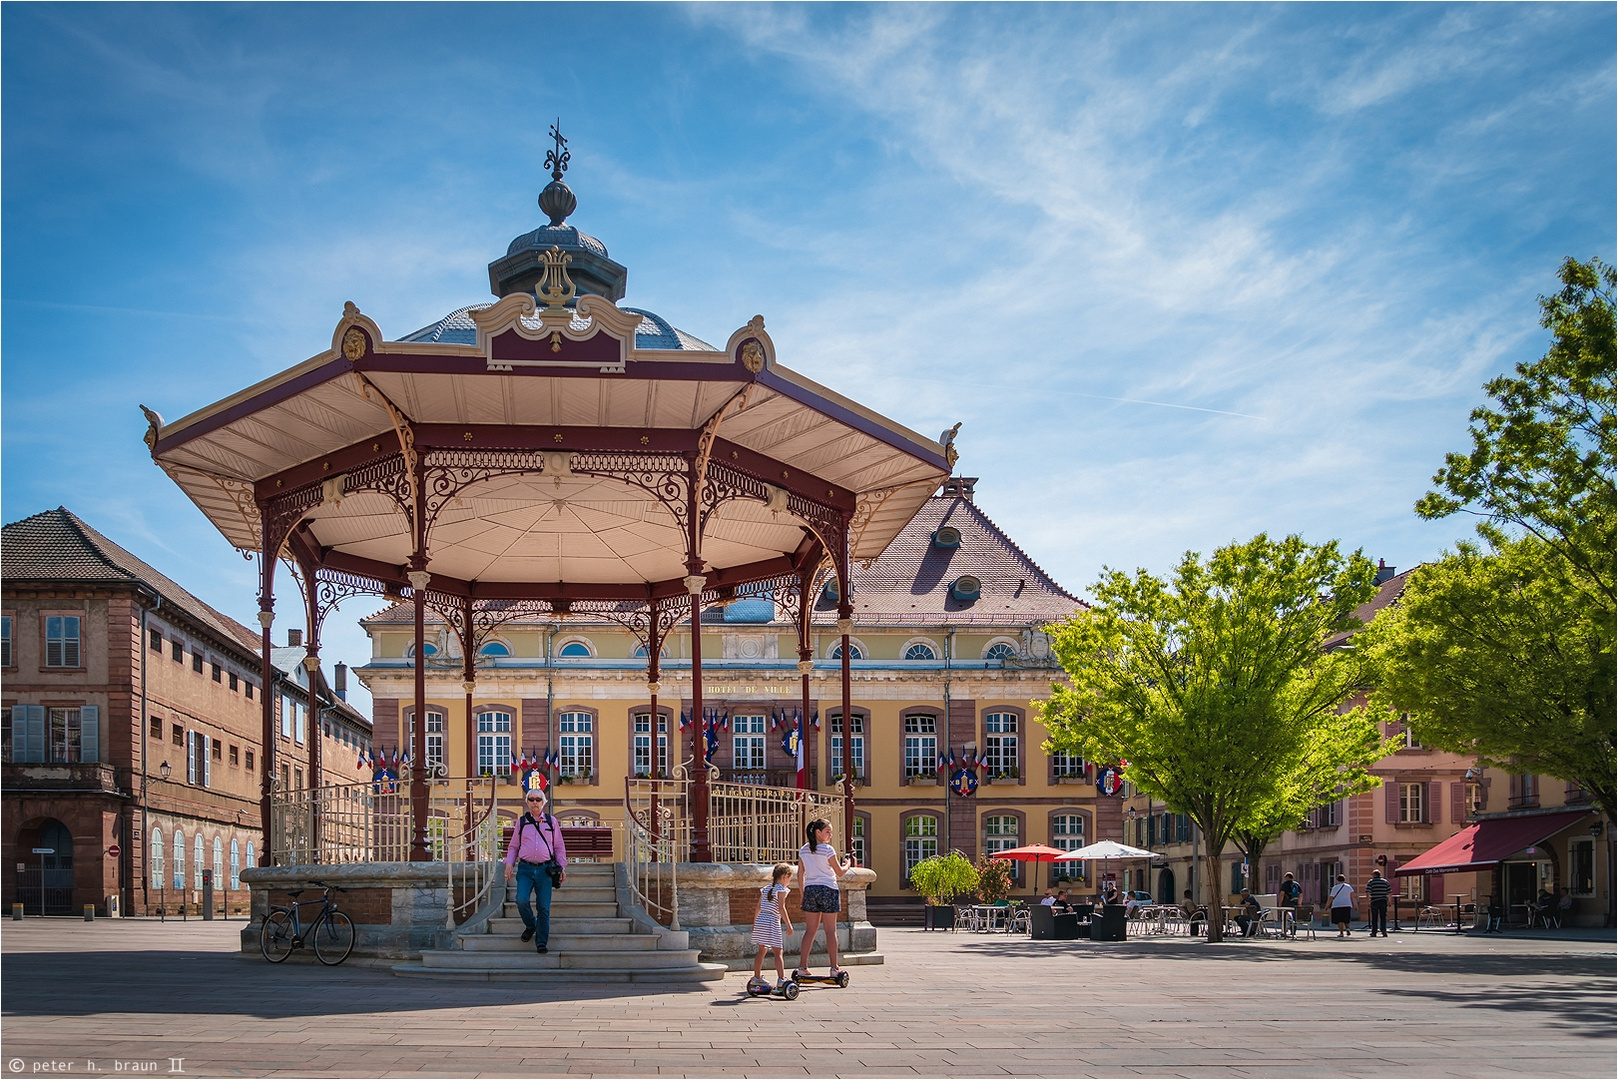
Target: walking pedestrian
<point>1342,906</point>
<point>1378,890</point>
<point>536,857</point>
<point>819,869</point>
<point>772,914</point>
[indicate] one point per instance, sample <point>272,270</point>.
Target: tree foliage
<point>994,879</point>
<point>1498,655</point>
<point>1215,687</point>
<point>941,878</point>
<point>1542,455</point>
<point>1506,651</point>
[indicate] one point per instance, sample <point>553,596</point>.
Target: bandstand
<point>551,452</point>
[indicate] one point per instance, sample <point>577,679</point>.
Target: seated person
<point>1543,903</point>
<point>1194,912</point>
<point>1248,919</point>
<point>1049,900</point>
<point>1060,904</point>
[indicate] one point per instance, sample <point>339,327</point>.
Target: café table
<point>993,917</point>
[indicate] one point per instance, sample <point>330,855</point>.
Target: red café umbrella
<point>1034,853</point>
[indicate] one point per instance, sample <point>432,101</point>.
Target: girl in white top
<point>819,869</point>
<point>772,913</point>
<point>1342,906</point>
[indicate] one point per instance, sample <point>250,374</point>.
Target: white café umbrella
<point>1105,851</point>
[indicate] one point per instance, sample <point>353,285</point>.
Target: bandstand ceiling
<point>332,412</point>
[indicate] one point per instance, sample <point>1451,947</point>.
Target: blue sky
<point>1184,273</point>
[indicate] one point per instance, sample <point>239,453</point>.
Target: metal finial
<point>556,160</point>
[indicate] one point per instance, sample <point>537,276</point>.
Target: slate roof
<point>57,546</point>
<point>654,331</point>
<point>1386,596</point>
<point>909,583</point>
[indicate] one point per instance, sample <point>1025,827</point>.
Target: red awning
<point>1481,846</point>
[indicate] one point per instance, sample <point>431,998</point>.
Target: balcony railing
<point>747,823</point>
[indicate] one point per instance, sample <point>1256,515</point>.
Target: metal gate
<point>46,891</point>
<point>45,884</point>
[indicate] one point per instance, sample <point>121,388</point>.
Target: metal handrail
<point>747,823</point>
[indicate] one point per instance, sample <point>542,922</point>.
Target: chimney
<point>341,678</point>
<point>1384,572</point>
<point>294,638</point>
<point>959,487</point>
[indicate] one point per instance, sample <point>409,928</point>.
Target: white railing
<point>371,822</point>
<point>747,823</point>
<point>651,847</point>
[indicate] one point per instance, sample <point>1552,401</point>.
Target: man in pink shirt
<point>536,857</point>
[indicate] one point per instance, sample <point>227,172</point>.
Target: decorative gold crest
<point>753,357</point>
<point>354,343</point>
<point>556,287</point>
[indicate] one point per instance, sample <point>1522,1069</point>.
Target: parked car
<point>1134,900</point>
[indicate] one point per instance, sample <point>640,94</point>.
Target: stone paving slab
<point>139,993</point>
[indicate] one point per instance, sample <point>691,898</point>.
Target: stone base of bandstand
<point>717,903</point>
<point>398,908</point>
<point>401,909</point>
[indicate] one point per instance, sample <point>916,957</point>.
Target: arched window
<point>640,652</point>
<point>251,861</point>
<point>196,859</point>
<point>494,742</point>
<point>495,648</point>
<point>235,863</point>
<point>920,650</point>
<point>1000,650</point>
<point>574,649</point>
<point>157,858</point>
<point>854,651</point>
<point>427,649</point>
<point>218,862</point>
<point>179,859</point>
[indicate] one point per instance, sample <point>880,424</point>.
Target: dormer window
<point>947,537</point>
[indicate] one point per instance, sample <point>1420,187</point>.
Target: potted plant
<point>940,880</point>
<point>994,879</point>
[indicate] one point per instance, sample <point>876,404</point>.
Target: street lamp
<point>164,769</point>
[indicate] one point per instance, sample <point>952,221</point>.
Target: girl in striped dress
<point>772,914</point>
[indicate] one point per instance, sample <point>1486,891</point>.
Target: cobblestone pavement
<point>130,996</point>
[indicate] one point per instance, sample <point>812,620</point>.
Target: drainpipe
<point>949,651</point>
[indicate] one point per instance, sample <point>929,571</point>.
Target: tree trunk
<point>1216,899</point>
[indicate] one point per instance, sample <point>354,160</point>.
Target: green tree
<point>1214,686</point>
<point>1506,650</point>
<point>1542,456</point>
<point>1337,766</point>
<point>1499,655</point>
<point>942,878</point>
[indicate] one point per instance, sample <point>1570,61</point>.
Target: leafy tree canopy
<point>1542,455</point>
<point>1500,655</point>
<point>1215,687</point>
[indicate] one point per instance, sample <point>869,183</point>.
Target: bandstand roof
<point>543,385</point>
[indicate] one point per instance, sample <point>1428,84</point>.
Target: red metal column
<point>845,624</point>
<point>418,750</point>
<point>700,849</point>
<point>468,683</point>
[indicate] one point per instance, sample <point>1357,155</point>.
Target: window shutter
<point>1513,787</point>
<point>33,727</point>
<point>1391,802</point>
<point>207,761</point>
<point>1457,803</point>
<point>190,760</point>
<point>1434,809</point>
<point>89,733</point>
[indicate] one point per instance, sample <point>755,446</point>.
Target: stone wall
<point>717,903</point>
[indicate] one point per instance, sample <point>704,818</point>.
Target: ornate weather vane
<point>556,160</point>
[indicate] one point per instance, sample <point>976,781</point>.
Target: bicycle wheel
<point>275,939</point>
<point>333,938</point>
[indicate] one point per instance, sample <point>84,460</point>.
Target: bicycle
<point>330,933</point>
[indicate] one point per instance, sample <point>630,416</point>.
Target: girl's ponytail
<point>811,829</point>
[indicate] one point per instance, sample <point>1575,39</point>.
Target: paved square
<point>140,993</point>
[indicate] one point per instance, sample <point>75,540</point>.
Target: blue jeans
<point>533,880</point>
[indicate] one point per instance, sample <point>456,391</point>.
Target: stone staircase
<point>598,934</point>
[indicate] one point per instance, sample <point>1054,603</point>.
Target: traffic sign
<point>44,851</point>
<point>115,851</point>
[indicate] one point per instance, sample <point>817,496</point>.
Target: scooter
<point>839,980</point>
<point>787,991</point>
